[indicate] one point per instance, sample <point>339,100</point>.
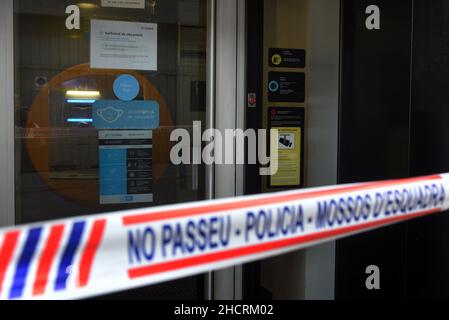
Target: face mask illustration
<point>110,114</point>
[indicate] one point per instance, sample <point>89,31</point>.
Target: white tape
<point>100,254</point>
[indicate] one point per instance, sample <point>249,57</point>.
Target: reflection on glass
<point>59,165</point>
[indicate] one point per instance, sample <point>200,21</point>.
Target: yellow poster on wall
<point>290,124</point>
<point>289,158</point>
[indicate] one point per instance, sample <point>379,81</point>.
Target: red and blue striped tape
<point>87,256</point>
<point>48,256</point>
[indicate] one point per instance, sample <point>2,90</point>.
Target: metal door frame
<point>7,183</point>
<point>226,98</point>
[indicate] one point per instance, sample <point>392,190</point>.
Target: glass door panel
<point>97,95</point>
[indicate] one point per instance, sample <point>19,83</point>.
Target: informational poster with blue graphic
<point>116,114</point>
<point>126,87</point>
<point>126,166</point>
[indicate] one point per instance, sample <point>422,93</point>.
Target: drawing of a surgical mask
<point>110,114</point>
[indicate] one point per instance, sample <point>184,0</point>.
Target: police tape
<point>99,254</point>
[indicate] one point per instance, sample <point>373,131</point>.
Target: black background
<point>393,123</point>
<point>394,112</point>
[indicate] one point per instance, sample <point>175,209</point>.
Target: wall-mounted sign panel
<point>126,166</point>
<point>123,45</point>
<point>286,86</point>
<point>287,58</point>
<point>289,121</point>
<point>131,4</point>
<point>116,114</point>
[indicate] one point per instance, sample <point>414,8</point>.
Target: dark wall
<point>374,136</point>
<point>428,239</point>
<point>394,123</point>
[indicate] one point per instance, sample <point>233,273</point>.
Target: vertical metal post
<point>225,114</point>
<point>210,116</point>
<point>241,99</point>
<point>230,92</point>
<point>7,208</point>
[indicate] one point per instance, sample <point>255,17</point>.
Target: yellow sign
<point>276,59</point>
<point>289,158</point>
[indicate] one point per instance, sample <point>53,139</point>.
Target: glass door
<point>98,87</point>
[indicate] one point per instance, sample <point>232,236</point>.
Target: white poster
<point>123,45</point>
<point>132,4</point>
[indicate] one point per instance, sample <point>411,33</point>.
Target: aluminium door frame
<point>7,173</point>
<point>227,112</point>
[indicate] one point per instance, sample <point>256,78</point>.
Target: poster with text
<point>123,45</point>
<point>126,170</point>
<point>289,121</point>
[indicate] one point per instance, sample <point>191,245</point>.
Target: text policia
<point>293,219</point>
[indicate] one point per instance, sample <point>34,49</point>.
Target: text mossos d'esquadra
<point>391,202</point>
<point>175,239</point>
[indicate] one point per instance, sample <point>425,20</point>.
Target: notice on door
<point>123,45</point>
<point>126,166</point>
<point>286,86</point>
<point>131,4</point>
<point>290,125</point>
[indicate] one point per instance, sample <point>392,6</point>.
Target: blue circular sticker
<point>273,86</point>
<point>126,87</point>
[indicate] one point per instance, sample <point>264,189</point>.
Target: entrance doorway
<point>293,86</point>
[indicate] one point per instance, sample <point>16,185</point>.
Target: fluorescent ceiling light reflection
<point>87,5</point>
<point>83,94</point>
<point>78,120</point>
<point>81,101</point>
